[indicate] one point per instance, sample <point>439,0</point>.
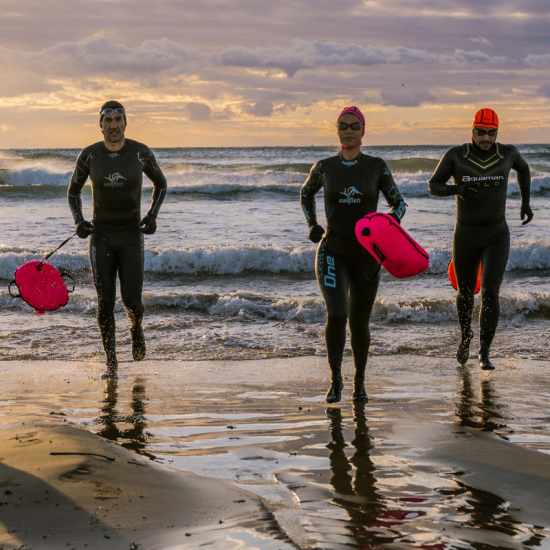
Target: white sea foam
<point>37,176</point>
<point>248,306</point>
<point>237,260</point>
<point>211,182</point>
<point>230,260</point>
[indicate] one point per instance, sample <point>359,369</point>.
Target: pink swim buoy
<point>391,245</point>
<point>41,285</point>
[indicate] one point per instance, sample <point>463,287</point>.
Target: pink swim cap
<point>354,111</point>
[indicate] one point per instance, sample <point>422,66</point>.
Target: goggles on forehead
<point>482,131</point>
<point>109,111</point>
<point>354,126</point>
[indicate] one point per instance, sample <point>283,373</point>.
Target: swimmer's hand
<point>526,212</point>
<point>148,225</point>
<point>316,233</point>
<point>467,192</point>
<point>84,229</point>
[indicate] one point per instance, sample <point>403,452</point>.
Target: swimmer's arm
<point>152,170</point>
<point>78,179</point>
<point>310,188</point>
<point>443,173</point>
<point>524,183</point>
<point>392,194</point>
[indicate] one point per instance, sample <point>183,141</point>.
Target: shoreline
<point>437,414</point>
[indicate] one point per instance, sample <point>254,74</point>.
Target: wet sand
<point>247,454</point>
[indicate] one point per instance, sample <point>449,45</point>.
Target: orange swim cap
<point>486,117</point>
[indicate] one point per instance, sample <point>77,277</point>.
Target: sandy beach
<point>246,454</point>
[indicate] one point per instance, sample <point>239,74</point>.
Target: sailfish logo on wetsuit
<point>114,180</point>
<point>351,196</point>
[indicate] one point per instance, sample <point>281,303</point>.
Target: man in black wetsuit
<point>115,167</point>
<point>480,171</point>
<point>347,274</point>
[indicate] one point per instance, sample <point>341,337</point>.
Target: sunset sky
<point>256,72</point>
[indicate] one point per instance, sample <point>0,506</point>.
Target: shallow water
<point>230,271</point>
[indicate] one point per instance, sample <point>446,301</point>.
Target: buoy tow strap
<point>9,290</point>
<point>47,256</point>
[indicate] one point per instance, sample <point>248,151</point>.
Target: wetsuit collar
<point>119,151</point>
<point>354,159</point>
<point>478,151</point>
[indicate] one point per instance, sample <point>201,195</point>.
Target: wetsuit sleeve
<point>152,170</point>
<point>78,179</point>
<point>524,177</point>
<point>391,193</point>
<point>442,174</point>
<point>310,188</point>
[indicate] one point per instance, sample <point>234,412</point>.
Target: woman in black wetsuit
<point>347,274</point>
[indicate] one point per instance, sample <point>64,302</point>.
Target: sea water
<point>229,274</point>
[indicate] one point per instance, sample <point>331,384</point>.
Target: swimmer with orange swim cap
<point>480,171</point>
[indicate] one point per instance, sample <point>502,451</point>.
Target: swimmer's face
<point>113,127</point>
<point>482,138</point>
<point>350,137</point>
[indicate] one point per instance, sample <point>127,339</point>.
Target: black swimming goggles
<point>482,131</point>
<point>354,126</point>
<point>109,111</point>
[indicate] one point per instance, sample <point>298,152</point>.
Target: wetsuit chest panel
<point>490,174</point>
<point>351,191</point>
<point>116,180</point>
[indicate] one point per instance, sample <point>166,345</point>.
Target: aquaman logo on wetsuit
<point>483,179</point>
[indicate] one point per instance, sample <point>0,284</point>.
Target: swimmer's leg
<point>131,266</point>
<point>494,259</point>
<point>104,269</point>
<point>466,260</point>
<point>333,279</point>
<point>362,296</point>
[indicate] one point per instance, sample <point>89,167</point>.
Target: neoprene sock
<point>334,393</point>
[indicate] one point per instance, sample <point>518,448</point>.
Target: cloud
<point>261,108</point>
<point>101,56</point>
<point>481,40</point>
<point>538,60</point>
<point>154,59</point>
<point>198,111</point>
<point>545,89</point>
<point>406,98</point>
<point>477,57</point>
<point>308,55</point>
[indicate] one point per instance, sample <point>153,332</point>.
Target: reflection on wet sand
<point>373,518</point>
<point>481,414</point>
<point>133,438</point>
<point>329,477</point>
